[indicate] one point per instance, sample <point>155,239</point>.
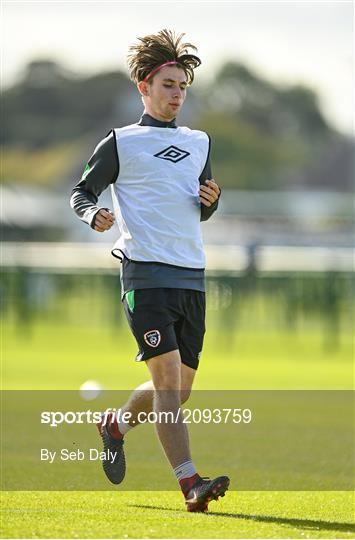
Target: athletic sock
<point>117,429</point>
<point>187,475</point>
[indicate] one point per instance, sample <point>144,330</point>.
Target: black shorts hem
<point>169,349</point>
<point>154,354</point>
<point>189,364</point>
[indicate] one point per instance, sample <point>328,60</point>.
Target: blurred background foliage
<point>264,136</point>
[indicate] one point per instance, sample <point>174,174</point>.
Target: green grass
<point>60,356</point>
<point>162,515</point>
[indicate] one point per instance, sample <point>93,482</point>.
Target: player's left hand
<point>209,193</point>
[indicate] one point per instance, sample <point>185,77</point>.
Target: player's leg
<point>141,399</point>
<point>172,432</point>
<point>151,314</point>
<point>198,492</point>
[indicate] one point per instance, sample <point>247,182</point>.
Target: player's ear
<point>143,88</point>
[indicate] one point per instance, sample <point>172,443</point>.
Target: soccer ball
<point>90,390</point>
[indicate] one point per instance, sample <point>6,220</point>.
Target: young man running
<point>162,187</point>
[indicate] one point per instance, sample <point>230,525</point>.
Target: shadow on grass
<point>310,524</point>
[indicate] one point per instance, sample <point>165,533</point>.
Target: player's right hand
<point>103,220</point>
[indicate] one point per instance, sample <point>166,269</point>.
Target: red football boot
<point>204,491</point>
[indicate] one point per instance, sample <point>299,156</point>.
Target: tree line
<point>264,136</point>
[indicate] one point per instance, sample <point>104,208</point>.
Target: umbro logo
<point>172,153</point>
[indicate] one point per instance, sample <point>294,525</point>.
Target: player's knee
<point>168,383</point>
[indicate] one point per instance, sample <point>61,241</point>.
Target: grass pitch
<point>162,515</point>
<point>62,357</point>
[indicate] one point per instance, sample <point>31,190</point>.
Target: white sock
<point>185,470</point>
<point>123,427</point>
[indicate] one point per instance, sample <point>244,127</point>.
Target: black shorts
<point>163,320</point>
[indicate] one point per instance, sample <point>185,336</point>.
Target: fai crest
<point>172,153</point>
<point>152,338</point>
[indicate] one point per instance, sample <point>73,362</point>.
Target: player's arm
<point>209,191</point>
<point>101,170</point>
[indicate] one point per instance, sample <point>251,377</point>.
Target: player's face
<point>166,93</point>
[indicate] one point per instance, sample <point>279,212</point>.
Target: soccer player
<point>162,187</point>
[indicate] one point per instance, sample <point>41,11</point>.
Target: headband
<point>157,69</point>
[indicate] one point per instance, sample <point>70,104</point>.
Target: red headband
<point>157,69</point>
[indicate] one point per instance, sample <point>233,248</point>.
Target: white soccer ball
<point>90,390</point>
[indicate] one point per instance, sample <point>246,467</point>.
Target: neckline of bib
<point>148,120</point>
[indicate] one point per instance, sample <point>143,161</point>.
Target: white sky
<point>307,42</point>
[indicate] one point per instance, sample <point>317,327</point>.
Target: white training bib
<point>156,194</point>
